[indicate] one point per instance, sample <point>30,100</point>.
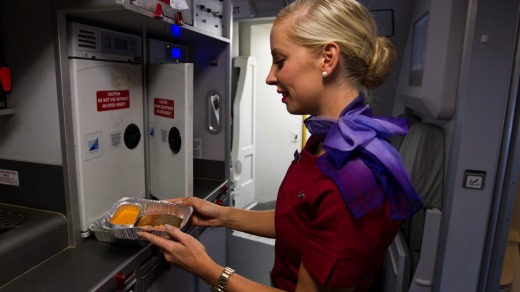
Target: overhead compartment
<point>182,19</point>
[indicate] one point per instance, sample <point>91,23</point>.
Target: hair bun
<point>381,63</point>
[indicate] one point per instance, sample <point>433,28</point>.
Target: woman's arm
<point>206,213</point>
<point>259,223</point>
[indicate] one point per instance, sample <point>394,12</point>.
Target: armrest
<point>423,278</point>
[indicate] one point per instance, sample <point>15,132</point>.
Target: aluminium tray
<point>104,231</point>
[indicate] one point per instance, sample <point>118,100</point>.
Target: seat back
<point>422,152</point>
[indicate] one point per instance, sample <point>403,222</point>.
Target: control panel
<point>91,42</point>
<point>161,52</point>
<point>210,16</point>
<point>180,11</point>
<point>207,15</point>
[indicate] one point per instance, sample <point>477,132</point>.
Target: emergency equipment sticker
<point>9,177</point>
<point>94,145</point>
<point>109,100</point>
<point>163,107</point>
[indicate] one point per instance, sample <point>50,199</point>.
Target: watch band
<point>223,280</point>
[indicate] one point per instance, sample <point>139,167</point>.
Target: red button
<point>179,20</point>
<point>120,280</point>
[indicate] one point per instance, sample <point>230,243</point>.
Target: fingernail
<point>167,226</point>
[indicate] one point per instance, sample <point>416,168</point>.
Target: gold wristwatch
<point>223,280</point>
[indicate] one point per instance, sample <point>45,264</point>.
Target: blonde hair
<point>367,57</point>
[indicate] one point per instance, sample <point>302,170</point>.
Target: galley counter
<point>101,266</point>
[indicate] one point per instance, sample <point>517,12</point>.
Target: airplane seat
<point>410,261</point>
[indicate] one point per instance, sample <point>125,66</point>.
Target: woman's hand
<point>205,213</point>
<point>185,252</point>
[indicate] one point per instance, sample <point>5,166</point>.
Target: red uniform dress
<point>315,227</point>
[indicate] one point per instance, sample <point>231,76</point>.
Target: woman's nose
<point>271,78</point>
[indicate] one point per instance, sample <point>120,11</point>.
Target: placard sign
<point>112,100</point>
<point>9,177</point>
<point>163,107</point>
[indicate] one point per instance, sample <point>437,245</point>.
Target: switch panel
<point>474,179</point>
<point>165,8</point>
<point>210,16</point>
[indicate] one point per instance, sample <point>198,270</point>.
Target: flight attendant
<point>345,195</point>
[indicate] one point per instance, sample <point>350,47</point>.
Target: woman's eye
<point>279,63</point>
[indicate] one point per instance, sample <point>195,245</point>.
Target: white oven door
<point>170,100</point>
<point>107,102</point>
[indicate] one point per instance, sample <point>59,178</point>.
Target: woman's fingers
<point>179,201</point>
<point>157,240</point>
<point>189,201</point>
<point>175,233</point>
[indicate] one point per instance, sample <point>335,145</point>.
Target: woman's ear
<point>331,56</point>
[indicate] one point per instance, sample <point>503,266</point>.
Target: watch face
<point>222,281</point>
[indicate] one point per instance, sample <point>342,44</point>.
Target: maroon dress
<point>315,227</point>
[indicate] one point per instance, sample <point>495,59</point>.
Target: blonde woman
<point>344,196</point>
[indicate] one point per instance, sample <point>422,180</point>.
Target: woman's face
<point>296,73</point>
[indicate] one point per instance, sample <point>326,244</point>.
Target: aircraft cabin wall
<point>473,78</point>
<point>30,138</point>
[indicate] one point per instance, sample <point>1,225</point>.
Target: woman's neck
<point>336,102</point>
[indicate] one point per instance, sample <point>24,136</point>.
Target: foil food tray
<point>104,231</point>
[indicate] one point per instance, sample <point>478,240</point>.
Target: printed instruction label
<point>197,148</point>
<point>163,107</point>
<point>164,135</point>
<point>116,139</point>
<point>109,100</point>
<point>9,177</point>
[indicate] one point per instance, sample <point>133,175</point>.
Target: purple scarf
<point>357,134</point>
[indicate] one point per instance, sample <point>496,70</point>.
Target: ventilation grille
<point>87,39</point>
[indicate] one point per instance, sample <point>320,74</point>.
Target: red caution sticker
<point>112,100</point>
<point>163,107</point>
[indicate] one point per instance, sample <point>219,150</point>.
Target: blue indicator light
<point>176,53</point>
<point>176,30</point>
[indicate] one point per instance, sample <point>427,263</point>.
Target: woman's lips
<point>284,96</point>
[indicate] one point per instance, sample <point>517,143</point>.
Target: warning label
<point>163,107</point>
<point>112,100</point>
<point>9,177</point>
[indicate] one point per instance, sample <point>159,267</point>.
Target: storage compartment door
<point>107,102</point>
<point>170,97</point>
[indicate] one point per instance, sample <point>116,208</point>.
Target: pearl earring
<point>324,74</point>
